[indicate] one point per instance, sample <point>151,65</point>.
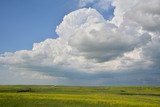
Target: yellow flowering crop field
<point>79,96</point>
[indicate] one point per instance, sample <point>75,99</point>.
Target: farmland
<point>78,96</point>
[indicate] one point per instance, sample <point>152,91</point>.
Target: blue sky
<point>64,42</point>
<point>24,22</point>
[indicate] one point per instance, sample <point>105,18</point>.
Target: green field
<point>72,96</point>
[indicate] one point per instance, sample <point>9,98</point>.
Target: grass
<point>72,96</point>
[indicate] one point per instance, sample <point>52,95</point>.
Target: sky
<point>30,21</point>
<point>80,42</point>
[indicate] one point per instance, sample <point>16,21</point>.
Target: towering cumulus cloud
<point>91,50</point>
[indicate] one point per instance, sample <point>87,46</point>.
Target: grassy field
<point>70,96</point>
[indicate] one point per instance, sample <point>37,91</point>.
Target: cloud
<point>146,15</point>
<point>146,18</point>
<point>122,6</point>
<point>92,49</point>
<point>92,37</point>
<point>152,52</point>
